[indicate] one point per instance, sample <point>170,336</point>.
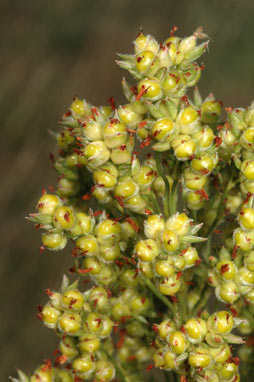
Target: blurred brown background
<point>50,51</point>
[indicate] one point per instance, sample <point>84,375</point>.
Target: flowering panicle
<point>155,198</point>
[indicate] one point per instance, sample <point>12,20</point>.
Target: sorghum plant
<point>156,198</point>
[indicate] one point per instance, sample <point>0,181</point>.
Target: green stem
<point>158,294</point>
<point>220,207</point>
<point>169,376</point>
<point>182,297</point>
<point>204,297</point>
<point>166,201</point>
<point>116,364</point>
<point>173,198</point>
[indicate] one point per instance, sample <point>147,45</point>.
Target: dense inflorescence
<point>155,198</point>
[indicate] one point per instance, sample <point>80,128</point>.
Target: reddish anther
<point>86,270</point>
<point>142,124</point>
<point>224,269</point>
<point>86,197</point>
<point>133,224</point>
<point>218,141</point>
<point>97,213</point>
<point>47,365</point>
<point>120,342</point>
<point>173,30</point>
<point>141,93</point>
<point>202,193</point>
<point>234,253</point>
<point>61,359</point>
<point>149,367</point>
<point>67,216</point>
<point>120,200</point>
<point>111,101</point>
<point>42,249</point>
<point>48,292</point>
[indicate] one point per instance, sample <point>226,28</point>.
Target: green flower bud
<point>93,265</point>
<point>68,188</point>
<point>43,375</point>
<point>121,155</point>
<point>146,269</point>
<point>92,130</point>
<point>114,133</point>
<point>164,268</point>
<point>95,154</point>
<point>188,120</point>
<point>73,300</point>
<point>195,201</point>
<point>249,261</point>
<point>153,225</point>
<point>163,129</point>
<point>145,42</point>
<point>210,111</point>
<point>203,164</point>
<point>200,357</point>
<point>149,89</point>
<point>69,323</point>
<point>101,195</point>
<point>129,115</point>
<point>144,60</point>
<point>140,304</point>
<point>144,177</point>
<point>194,181</point>
<point>129,278</point>
<point>68,347</point>
<point>191,257</point>
<point>173,83</point>
<point>178,342</point>
<point>147,250</point>
<point>48,203</point>
<point>184,147</point>
<point>243,239</point>
<point>246,218</point>
<point>227,292</point>
<point>180,223</point>
<point>220,322</point>
<point>84,366</point>
<point>245,276</point>
<point>106,175</point>
<point>65,139</point>
<point>196,329</point>
<point>227,371</point>
<point>104,371</point>
<point>54,241</point>
<point>120,310</point>
<point>170,240</point>
<point>50,316</point>
<point>221,354</point>
<point>247,168</point>
<point>204,138</point>
<point>170,285</point>
<point>88,245</point>
<point>108,231</point>
<point>79,108</point>
<point>226,269</point>
<point>64,218</point>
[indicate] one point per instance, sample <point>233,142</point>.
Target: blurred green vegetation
<point>50,51</point>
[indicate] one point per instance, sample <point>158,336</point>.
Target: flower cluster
<point>136,184</point>
<point>199,349</point>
